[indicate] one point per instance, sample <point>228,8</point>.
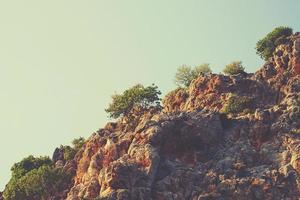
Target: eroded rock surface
<point>191,151</point>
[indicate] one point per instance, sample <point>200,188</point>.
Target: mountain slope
<point>192,150</point>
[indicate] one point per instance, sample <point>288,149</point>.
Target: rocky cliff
<point>191,150</point>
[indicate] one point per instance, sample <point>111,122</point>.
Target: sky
<point>61,60</point>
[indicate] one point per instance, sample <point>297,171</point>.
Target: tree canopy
<point>266,46</point>
<point>137,96</point>
<point>185,74</point>
<point>35,179</point>
<point>234,68</point>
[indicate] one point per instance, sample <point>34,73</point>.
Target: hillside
<point>192,149</point>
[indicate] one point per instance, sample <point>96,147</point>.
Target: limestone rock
<point>191,150</point>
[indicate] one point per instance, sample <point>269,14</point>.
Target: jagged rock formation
<point>192,151</point>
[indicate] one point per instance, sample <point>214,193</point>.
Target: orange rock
<point>296,68</point>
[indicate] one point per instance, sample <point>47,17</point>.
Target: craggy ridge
<point>192,150</point>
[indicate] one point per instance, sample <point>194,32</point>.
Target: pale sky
<point>61,60</point>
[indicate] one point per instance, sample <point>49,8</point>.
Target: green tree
<point>202,69</point>
<point>29,163</point>
<point>78,143</point>
<point>35,179</point>
<point>137,98</point>
<point>237,104</point>
<point>234,68</point>
<point>266,46</point>
<point>185,74</point>
<point>70,151</point>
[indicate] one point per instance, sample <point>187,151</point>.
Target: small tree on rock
<point>185,74</point>
<point>266,46</point>
<point>202,69</point>
<point>234,68</point>
<point>134,101</point>
<point>70,151</point>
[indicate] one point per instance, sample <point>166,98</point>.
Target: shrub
<point>36,179</point>
<point>201,69</point>
<point>185,74</point>
<point>70,152</point>
<point>27,164</point>
<point>237,104</point>
<point>136,98</point>
<point>234,68</point>
<point>78,143</point>
<point>266,46</point>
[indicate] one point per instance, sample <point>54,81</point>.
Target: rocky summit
<point>192,149</point>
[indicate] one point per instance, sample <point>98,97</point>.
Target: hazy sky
<point>60,60</point>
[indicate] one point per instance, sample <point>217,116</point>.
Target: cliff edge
<point>192,149</point>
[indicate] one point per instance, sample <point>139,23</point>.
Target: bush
<point>27,164</point>
<point>136,98</point>
<point>35,179</point>
<point>234,68</point>
<point>266,46</point>
<point>78,143</point>
<point>185,74</point>
<point>237,104</point>
<point>70,152</point>
<point>202,69</point>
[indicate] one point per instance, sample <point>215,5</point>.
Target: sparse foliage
<point>185,74</point>
<point>137,97</point>
<point>234,68</point>
<point>78,143</point>
<point>70,152</point>
<point>237,104</point>
<point>266,46</point>
<point>202,69</point>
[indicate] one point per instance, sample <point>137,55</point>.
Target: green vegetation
<point>70,152</point>
<point>202,69</point>
<point>234,68</point>
<point>266,46</point>
<point>137,98</point>
<point>185,74</point>
<point>237,104</point>
<point>27,164</point>
<point>35,179</point>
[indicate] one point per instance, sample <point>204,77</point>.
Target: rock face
<point>128,165</point>
<point>191,151</point>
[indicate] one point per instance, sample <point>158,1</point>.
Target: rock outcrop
<point>192,151</point>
